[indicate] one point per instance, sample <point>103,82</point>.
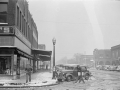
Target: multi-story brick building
<point>18,36</point>
<point>115,50</point>
<point>102,56</point>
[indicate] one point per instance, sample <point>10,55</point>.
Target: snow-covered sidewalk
<point>42,79</point>
<point>37,79</point>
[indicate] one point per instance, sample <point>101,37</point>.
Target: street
<point>101,80</point>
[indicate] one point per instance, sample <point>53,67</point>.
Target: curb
<point>27,86</point>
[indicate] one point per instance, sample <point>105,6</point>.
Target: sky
<point>79,26</point>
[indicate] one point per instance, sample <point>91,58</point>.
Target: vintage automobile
<point>69,72</point>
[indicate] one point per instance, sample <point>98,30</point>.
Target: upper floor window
<point>3,12</point>
<point>18,16</point>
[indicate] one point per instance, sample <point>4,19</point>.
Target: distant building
<point>86,60</point>
<point>115,50</point>
<point>42,46</point>
<point>102,56</point>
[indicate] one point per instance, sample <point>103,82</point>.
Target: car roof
<point>71,65</point>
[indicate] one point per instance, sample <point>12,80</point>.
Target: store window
<point>23,63</point>
<point>3,13</point>
<point>5,65</point>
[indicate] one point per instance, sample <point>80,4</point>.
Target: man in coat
<point>28,70</point>
<point>80,75</point>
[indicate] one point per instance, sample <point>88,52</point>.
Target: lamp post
<point>54,42</point>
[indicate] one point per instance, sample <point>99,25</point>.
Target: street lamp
<point>54,42</point>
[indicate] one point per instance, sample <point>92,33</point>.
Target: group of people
<point>80,75</point>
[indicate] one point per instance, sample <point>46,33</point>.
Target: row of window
<point>104,56</point>
<point>23,25</point>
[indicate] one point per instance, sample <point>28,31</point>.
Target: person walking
<point>80,75</point>
<point>28,70</point>
<point>54,73</point>
<point>60,77</point>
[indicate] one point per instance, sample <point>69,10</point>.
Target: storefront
<point>11,62</point>
<point>41,56</point>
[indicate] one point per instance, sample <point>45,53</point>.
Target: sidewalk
<point>40,78</point>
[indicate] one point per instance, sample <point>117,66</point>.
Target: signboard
<point>6,30</point>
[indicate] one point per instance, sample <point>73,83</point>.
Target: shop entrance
<point>5,65</point>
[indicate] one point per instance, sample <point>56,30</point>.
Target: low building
<point>102,56</point>
<point>44,60</point>
<point>87,60</point>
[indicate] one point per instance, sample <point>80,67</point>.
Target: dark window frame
<point>18,14</point>
<point>20,21</point>
<point>6,14</point>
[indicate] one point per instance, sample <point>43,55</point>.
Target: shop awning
<point>44,55</point>
<point>17,51</point>
<point>8,47</point>
<point>41,52</point>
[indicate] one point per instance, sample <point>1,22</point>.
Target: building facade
<point>18,36</point>
<point>115,50</point>
<point>87,60</point>
<point>102,56</point>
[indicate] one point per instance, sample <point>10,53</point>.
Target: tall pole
<point>53,55</point>
<point>54,41</point>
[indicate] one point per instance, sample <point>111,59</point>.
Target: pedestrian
<point>60,77</point>
<point>80,75</point>
<point>28,70</point>
<point>54,73</point>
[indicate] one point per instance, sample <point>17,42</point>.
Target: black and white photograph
<point>59,44</point>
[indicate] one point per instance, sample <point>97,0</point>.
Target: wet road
<point>101,80</point>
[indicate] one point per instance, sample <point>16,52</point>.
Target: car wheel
<point>69,78</point>
<point>86,77</point>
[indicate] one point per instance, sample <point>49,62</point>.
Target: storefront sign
<point>6,30</point>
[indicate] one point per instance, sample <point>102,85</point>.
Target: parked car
<point>118,68</point>
<point>113,68</point>
<point>107,67</point>
<point>70,72</point>
<point>98,67</point>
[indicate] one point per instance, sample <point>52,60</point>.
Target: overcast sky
<point>79,26</point>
